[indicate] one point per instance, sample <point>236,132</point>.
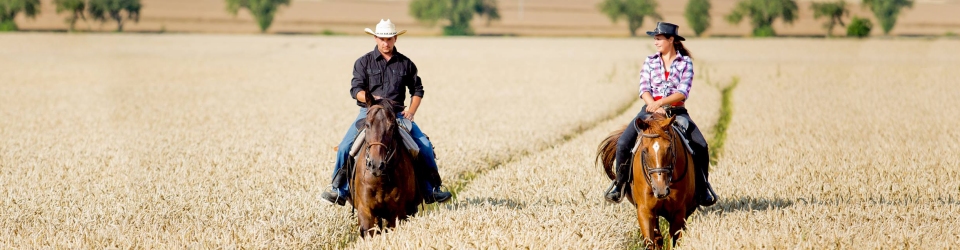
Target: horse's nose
<point>661,195</point>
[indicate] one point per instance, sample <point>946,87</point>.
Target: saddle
<point>408,142</point>
<point>405,136</point>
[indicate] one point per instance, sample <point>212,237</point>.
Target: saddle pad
<point>676,129</point>
<point>357,143</point>
<point>408,141</point>
<point>405,136</point>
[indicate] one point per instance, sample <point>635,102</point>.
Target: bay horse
<point>384,184</point>
<point>659,185</point>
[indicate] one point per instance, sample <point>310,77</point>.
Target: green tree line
<point>761,14</point>
<point>457,15</point>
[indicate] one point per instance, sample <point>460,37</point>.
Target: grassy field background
<point>203,141</point>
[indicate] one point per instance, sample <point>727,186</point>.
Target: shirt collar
<point>657,55</point>
<point>376,51</point>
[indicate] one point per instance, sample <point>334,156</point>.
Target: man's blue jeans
<point>426,149</point>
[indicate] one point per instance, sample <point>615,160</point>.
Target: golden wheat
<point>138,141</point>
<point>209,141</point>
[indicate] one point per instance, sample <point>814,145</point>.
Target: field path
<point>206,141</point>
<point>549,199</point>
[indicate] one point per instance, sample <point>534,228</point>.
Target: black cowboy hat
<point>668,29</point>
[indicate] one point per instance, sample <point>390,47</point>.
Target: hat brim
<point>651,33</point>
<point>368,31</point>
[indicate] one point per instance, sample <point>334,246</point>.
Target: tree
<point>458,13</point>
<point>762,13</point>
<point>262,10</point>
<point>833,10</point>
<point>633,10</point>
<point>103,10</point>
<point>75,7</point>
<point>698,15</point>
<point>859,27</point>
<point>887,11</point>
<point>10,8</point>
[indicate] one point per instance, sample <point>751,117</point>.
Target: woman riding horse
<point>665,81</point>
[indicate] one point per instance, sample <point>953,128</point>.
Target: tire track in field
<point>465,179</point>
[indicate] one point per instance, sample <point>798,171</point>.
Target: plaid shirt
<point>680,80</point>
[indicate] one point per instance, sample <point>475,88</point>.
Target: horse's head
<point>381,127</point>
<point>657,152</point>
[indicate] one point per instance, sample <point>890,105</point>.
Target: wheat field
<point>204,141</point>
<point>226,141</point>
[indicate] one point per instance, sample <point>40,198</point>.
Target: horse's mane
<point>385,105</point>
<point>654,118</point>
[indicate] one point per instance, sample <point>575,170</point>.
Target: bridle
<point>667,168</point>
<point>392,151</point>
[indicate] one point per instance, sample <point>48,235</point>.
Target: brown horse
<point>384,186</point>
<point>659,185</point>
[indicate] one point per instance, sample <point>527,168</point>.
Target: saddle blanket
<point>408,141</point>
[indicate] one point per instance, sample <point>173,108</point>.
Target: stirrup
<point>332,195</point>
<point>708,197</point>
<point>431,197</point>
<point>619,198</point>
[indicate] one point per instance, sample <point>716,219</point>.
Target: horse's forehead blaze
<point>656,151</point>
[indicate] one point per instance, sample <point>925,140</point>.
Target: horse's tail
<point>607,152</point>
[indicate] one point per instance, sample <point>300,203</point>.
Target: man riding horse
<point>384,72</point>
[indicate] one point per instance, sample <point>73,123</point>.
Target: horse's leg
<point>366,223</point>
<point>649,228</point>
<point>380,228</point>
<point>677,224</point>
<point>392,223</point>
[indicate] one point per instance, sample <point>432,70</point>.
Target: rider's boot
<point>617,188</point>
<point>705,195</point>
<point>436,195</point>
<point>336,194</point>
<point>433,192</point>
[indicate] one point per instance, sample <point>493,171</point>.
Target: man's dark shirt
<point>384,78</point>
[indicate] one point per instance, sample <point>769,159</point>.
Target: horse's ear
<point>641,123</point>
<point>667,123</point>
<point>369,98</point>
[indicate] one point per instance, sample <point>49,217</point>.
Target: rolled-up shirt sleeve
<point>416,85</point>
<point>359,81</point>
<point>645,78</point>
<point>686,78</point>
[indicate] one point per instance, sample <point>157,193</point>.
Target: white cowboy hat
<point>385,29</point>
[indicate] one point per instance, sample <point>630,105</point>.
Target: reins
<point>647,171</point>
